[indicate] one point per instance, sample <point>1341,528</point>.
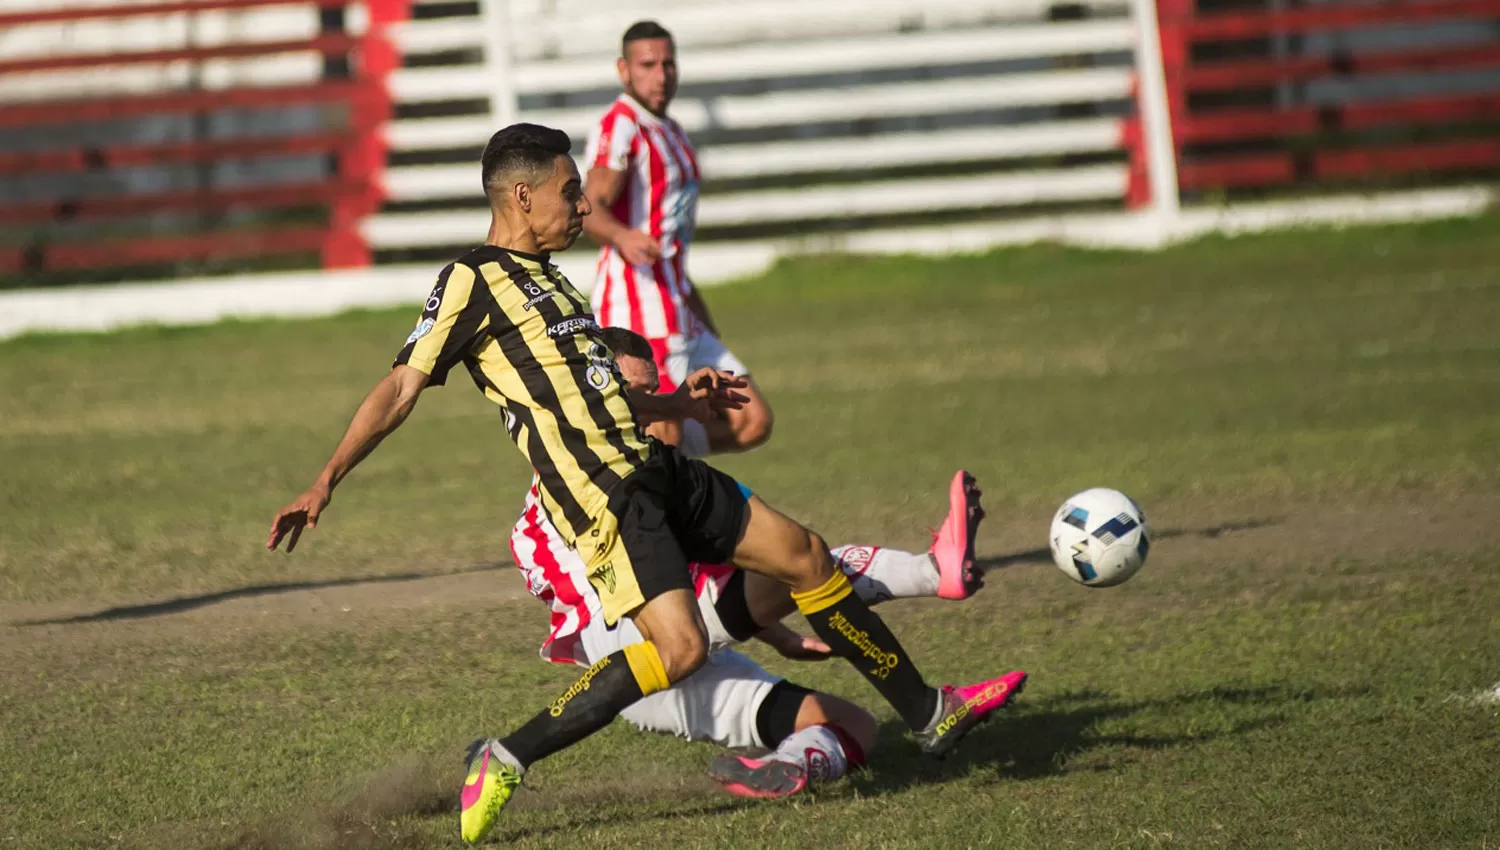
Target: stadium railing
<point>1324,96</point>
<point>149,134</point>
<point>182,135</point>
<point>810,117</point>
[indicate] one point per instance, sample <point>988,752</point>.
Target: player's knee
<point>682,652</point>
<point>810,563</point>
<point>825,709</point>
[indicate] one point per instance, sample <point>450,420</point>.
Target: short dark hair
<point>628,342</point>
<point>527,148</point>
<point>642,30</point>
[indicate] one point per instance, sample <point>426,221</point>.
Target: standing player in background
<point>643,184</point>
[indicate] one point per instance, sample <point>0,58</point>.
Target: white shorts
<point>718,703</point>
<point>687,354</point>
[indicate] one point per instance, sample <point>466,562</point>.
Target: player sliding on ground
<point>636,510</point>
<point>812,736</point>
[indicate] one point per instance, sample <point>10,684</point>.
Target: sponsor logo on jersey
<point>573,326</point>
<point>423,328</point>
<point>534,292</point>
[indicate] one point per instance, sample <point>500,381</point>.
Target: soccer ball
<point>1099,537</point>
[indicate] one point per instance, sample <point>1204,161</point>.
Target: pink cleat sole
<point>953,545</point>
<point>760,780</point>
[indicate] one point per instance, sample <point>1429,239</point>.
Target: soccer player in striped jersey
<point>637,511</point>
<point>643,182</point>
<point>810,736</point>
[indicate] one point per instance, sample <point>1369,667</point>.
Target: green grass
<point>1311,419</point>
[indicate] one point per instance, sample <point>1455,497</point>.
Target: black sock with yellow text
<point>600,694</point>
<point>859,636</point>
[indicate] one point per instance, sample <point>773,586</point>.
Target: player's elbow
<point>755,430</point>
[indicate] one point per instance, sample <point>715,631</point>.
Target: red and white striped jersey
<point>660,198</point>
<point>556,575</point>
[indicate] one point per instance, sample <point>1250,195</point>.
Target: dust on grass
<point>367,818</point>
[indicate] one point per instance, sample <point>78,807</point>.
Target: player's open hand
<point>797,647</point>
<point>301,514</point>
<point>708,393</point>
<point>637,248</point>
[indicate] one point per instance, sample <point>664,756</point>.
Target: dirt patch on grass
<point>366,819</point>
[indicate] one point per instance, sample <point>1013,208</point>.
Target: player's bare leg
<point>776,546</point>
<point>676,645</point>
<point>879,574</point>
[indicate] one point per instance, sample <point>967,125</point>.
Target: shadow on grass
<point>1045,738</point>
<point>188,603</point>
<point>1044,555</point>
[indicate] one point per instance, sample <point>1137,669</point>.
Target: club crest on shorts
<point>603,578</point>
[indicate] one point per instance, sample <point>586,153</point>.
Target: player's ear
<point>521,194</point>
<point>623,69</point>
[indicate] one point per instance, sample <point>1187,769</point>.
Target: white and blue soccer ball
<point>1099,537</point>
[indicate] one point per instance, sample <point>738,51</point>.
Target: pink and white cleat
<point>763,780</point>
<point>953,543</point>
<point>961,709</point>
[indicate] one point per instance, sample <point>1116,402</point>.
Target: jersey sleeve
<point>450,322</point>
<point>611,143</point>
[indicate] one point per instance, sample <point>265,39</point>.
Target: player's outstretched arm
<point>383,410</point>
<point>704,395</point>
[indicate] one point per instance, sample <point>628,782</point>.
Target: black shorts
<point>668,513</point>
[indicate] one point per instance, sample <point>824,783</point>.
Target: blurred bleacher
<point>156,139</point>
<point>809,117</point>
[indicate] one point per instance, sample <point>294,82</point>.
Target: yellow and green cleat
<point>487,789</point>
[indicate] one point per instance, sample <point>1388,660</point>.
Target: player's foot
<point>961,709</point>
<point>953,544</point>
<point>763,780</point>
<point>486,790</point>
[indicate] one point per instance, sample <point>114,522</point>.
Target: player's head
<point>633,356</point>
<point>528,174</point>
<point>648,65</point>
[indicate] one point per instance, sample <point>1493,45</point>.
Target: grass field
<point>1311,420</point>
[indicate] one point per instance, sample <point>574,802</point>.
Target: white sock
<point>818,750</point>
<point>879,574</point>
<point>694,439</point>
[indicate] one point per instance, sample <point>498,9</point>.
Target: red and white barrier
<point>1111,126</point>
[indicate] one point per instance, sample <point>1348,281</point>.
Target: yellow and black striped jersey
<point>532,346</point>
